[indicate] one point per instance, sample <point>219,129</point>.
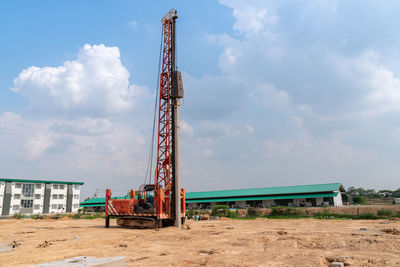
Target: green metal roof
<point>37,181</point>
<point>282,190</point>
<point>93,205</point>
<point>99,200</point>
<point>260,198</point>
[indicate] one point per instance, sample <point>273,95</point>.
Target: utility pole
<point>176,94</point>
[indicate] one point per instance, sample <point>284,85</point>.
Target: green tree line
<point>372,193</point>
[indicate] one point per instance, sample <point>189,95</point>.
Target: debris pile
<point>392,231</point>
<point>45,244</point>
<point>14,244</point>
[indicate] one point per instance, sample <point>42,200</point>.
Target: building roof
<point>282,190</point>
<point>98,201</point>
<point>37,181</point>
<point>227,199</point>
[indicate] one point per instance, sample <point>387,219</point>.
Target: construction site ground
<point>259,242</point>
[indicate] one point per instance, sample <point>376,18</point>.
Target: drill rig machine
<point>161,203</point>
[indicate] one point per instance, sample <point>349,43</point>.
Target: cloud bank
<point>96,83</point>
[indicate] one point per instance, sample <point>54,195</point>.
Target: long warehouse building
<point>316,195</point>
<point>21,196</point>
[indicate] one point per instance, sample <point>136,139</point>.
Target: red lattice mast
<point>163,171</point>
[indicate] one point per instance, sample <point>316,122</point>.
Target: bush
<point>190,213</point>
<point>19,216</point>
<point>385,212</point>
<point>362,216</point>
<point>358,200</point>
<point>283,211</point>
<point>220,210</point>
<point>76,216</point>
<point>37,217</point>
<point>398,214</point>
<point>253,212</point>
<point>366,216</point>
<point>233,214</point>
<point>277,211</point>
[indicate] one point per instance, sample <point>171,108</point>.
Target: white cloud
<point>9,120</point>
<point>207,96</point>
<point>327,150</point>
<point>252,17</point>
<point>298,120</point>
<point>208,153</point>
<point>304,108</point>
<point>276,148</point>
<point>86,144</point>
<point>84,126</point>
<point>248,128</point>
<point>37,144</point>
<point>94,84</point>
<point>133,24</point>
<point>269,96</point>
<point>379,87</point>
<point>214,129</point>
<point>186,129</point>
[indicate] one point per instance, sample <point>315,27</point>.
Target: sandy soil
<point>261,242</point>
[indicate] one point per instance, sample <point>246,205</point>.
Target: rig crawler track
<point>137,222</point>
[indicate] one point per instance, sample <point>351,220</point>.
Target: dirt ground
<point>260,242</point>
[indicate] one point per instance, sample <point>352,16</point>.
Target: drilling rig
<point>162,202</point>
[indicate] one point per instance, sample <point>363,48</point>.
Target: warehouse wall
<point>2,187</point>
<point>337,201</point>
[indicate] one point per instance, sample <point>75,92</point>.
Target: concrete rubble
<point>5,248</point>
<point>87,261</point>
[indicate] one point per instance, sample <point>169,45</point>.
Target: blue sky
<point>276,93</point>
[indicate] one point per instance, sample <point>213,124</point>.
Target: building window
<point>27,190</point>
<point>38,186</point>
<point>60,206</point>
<point>17,185</point>
<point>76,187</point>
<point>37,196</point>
<point>36,207</point>
<point>55,186</point>
<point>61,186</point>
<point>54,206</point>
<point>328,200</point>
<point>27,203</point>
<point>17,196</point>
<point>60,196</point>
<point>16,207</point>
<point>254,203</point>
<point>76,206</point>
<point>55,196</point>
<point>76,196</point>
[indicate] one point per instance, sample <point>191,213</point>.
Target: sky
<point>276,92</point>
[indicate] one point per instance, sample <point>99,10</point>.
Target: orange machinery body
<point>126,207</point>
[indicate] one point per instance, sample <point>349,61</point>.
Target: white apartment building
<point>20,196</point>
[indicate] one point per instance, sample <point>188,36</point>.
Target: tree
<point>358,200</point>
<point>385,193</point>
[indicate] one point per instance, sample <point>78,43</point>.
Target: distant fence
<point>350,210</point>
<point>380,201</point>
